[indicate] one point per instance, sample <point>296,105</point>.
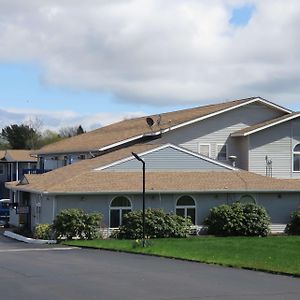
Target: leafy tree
<point>4,144</point>
<point>48,137</point>
<point>20,136</point>
<point>70,131</point>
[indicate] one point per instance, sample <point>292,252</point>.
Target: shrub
<point>71,223</point>
<point>43,231</point>
<point>293,227</point>
<point>238,219</point>
<point>158,224</point>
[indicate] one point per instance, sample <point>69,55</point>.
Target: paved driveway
<point>62,273</point>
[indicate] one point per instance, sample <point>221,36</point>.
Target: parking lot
<point>52,272</point>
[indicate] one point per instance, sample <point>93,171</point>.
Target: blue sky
<point>119,61</point>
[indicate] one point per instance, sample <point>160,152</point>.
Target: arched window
<point>296,158</point>
<point>247,199</point>
<point>186,207</point>
<point>118,208</point>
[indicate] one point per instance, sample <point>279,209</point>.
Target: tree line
<point>29,136</point>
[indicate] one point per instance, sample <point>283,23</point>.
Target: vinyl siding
<point>217,130</point>
<point>242,148</point>
<point>169,159</point>
<point>278,206</point>
<point>277,143</point>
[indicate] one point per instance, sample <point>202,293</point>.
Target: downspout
<point>17,171</point>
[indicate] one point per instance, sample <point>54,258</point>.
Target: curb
<point>27,240</point>
<point>191,260</point>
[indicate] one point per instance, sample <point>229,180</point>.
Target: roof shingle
<point>123,130</point>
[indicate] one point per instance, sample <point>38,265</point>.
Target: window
<point>296,158</point>
<point>186,207</point>
<point>247,199</point>
<point>1,169</point>
<point>222,152</point>
<point>118,208</point>
<point>204,149</point>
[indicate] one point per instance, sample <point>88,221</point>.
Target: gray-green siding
<point>279,206</point>
<point>277,143</point>
<point>217,130</point>
<point>169,159</point>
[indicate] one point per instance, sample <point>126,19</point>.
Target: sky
<point>95,62</point>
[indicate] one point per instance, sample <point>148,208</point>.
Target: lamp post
<point>144,166</point>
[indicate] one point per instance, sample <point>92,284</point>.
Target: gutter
<point>153,192</point>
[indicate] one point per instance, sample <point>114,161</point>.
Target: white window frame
<point>119,208</point>
<point>185,207</point>
<point>298,153</point>
<point>204,144</point>
<point>217,152</point>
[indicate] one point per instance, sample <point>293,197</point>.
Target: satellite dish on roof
<point>149,121</point>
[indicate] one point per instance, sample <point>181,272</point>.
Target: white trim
<point>298,153</point>
<point>227,109</point>
<point>204,144</point>
<point>163,147</point>
<point>129,140</point>
<point>266,126</point>
<point>217,152</point>
<point>155,133</point>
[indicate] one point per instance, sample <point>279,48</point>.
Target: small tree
<point>71,223</point>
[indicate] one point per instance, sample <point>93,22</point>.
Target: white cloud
<point>158,51</point>
<point>58,119</point>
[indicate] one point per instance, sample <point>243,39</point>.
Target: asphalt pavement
<point>51,272</point>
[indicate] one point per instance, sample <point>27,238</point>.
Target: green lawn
<point>274,254</point>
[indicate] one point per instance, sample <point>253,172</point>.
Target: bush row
<point>237,219</point>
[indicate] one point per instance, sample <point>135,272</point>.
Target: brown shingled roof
<point>254,128</point>
<point>20,155</point>
<point>44,181</point>
<point>214,181</point>
<point>117,132</point>
<point>82,178</point>
<point>2,154</point>
<point>17,155</point>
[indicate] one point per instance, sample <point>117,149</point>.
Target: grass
<point>276,254</point>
